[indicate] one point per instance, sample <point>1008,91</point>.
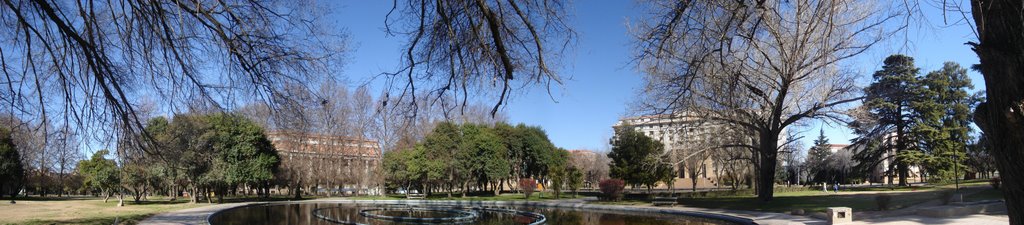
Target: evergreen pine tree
<point>12,172</point>
<point>890,99</point>
<point>817,159</point>
<point>944,121</point>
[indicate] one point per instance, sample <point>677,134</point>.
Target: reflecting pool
<point>350,213</point>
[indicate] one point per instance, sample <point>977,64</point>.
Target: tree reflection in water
<point>302,214</point>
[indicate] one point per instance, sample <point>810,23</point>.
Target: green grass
<point>893,188</point>
<point>810,201</point>
<point>788,199</point>
<point>986,194</point>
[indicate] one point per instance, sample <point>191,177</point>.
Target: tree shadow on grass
<point>127,219</point>
<point>859,202</point>
<point>156,202</point>
<point>47,198</point>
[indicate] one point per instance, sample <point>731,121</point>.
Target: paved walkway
<point>190,216</point>
<point>915,220</point>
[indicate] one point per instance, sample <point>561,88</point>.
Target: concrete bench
<point>415,196</point>
<point>839,215</point>
<point>660,201</point>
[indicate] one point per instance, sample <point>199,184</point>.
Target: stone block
<point>798,212</point>
<point>839,215</point>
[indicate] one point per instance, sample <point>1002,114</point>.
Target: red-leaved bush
<point>612,189</point>
<point>528,185</point>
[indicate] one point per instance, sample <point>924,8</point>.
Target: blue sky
<point>602,80</point>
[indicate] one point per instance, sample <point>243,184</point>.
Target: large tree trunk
<point>174,192</point>
<point>497,190</point>
<point>902,169</point>
<point>767,159</point>
<point>1001,53</point>
<point>194,195</point>
<point>120,198</point>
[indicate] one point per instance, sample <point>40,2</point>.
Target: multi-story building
<point>687,139</point>
<point>883,173</point>
<point>328,165</point>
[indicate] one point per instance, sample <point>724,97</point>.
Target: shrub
<point>883,201</point>
<point>612,189</point>
<point>995,181</point>
<point>528,186</point>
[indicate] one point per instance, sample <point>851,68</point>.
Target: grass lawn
<point>987,194</point>
<point>84,210</point>
<point>860,199</point>
<point>811,201</point>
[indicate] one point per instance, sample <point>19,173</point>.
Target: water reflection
<point>303,214</point>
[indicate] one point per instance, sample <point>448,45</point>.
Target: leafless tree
<point>482,47</point>
<point>695,162</point>
<point>84,62</point>
<point>30,139</point>
<point>594,167</point>
<point>67,153</point>
<point>758,65</point>
<point>732,166</point>
<point>793,158</point>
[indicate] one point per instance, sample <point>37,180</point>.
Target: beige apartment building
<point>686,139</point>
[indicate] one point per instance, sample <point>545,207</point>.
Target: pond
<point>351,213</point>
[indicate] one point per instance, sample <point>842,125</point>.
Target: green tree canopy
<point>487,154</point>
<point>890,100</point>
<point>100,173</point>
<point>453,156</point>
<point>817,159</point>
<point>12,172</point>
<point>637,159</point>
<point>944,118</point>
<point>248,156</point>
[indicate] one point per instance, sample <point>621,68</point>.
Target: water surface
<point>273,214</point>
